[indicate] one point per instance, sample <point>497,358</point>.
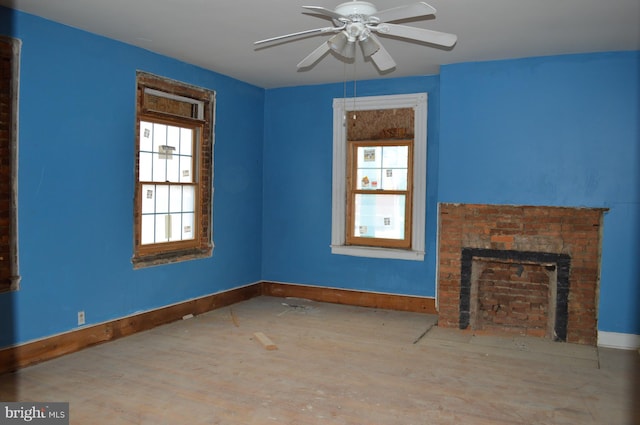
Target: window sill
<point>171,257</point>
<point>372,252</point>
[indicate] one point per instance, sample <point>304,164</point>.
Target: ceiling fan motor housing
<point>356,10</point>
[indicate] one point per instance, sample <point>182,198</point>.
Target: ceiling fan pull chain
<point>344,96</point>
<point>354,90</point>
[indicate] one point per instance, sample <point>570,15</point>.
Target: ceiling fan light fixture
<point>368,45</point>
<point>338,42</point>
<point>343,44</point>
<point>349,51</point>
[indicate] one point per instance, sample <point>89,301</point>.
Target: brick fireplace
<point>526,270</point>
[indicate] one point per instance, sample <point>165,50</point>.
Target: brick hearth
<point>525,234</point>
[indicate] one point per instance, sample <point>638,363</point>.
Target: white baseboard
<point>618,340</point>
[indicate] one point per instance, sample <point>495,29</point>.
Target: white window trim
<point>417,101</point>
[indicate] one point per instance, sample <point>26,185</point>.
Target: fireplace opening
<point>515,291</point>
<point>516,297</point>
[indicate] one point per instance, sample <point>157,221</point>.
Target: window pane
<point>175,199</point>
<point>394,179</point>
<point>395,156</point>
<point>379,216</point>
<point>368,178</point>
<point>186,141</point>
<point>168,151</point>
<point>175,224</point>
<point>369,157</point>
<point>163,227</point>
<point>148,229</point>
<point>186,173</point>
<point>173,138</point>
<point>159,136</point>
<point>187,226</point>
<point>159,168</point>
<point>148,199</point>
<point>145,167</point>
<point>146,136</point>
<point>173,168</point>
<point>188,199</point>
<point>162,199</point>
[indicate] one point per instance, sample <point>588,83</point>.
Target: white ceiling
<point>219,34</point>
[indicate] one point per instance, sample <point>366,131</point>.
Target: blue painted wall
<point>560,131</point>
<point>77,119</point>
<point>297,192</point>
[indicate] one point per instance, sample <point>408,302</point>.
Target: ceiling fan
<point>356,22</point>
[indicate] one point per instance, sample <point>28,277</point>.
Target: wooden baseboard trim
<point>13,358</point>
<point>16,357</point>
<point>351,297</point>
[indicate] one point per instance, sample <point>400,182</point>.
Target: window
<point>9,73</point>
<point>173,171</point>
<point>379,193</point>
<point>385,220</point>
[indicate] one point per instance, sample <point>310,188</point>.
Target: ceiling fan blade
<point>326,12</point>
<point>301,33</point>
<point>381,57</point>
<point>314,56</point>
<point>405,12</point>
<point>418,34</point>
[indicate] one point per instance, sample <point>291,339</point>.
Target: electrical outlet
<point>80,318</point>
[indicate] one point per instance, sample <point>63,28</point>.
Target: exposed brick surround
<point>9,82</point>
<point>565,241</point>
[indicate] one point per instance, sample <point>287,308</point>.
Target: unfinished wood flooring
<point>332,365</point>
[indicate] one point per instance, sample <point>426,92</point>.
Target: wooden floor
<point>333,365</point>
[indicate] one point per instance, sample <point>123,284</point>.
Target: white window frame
<point>417,101</point>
